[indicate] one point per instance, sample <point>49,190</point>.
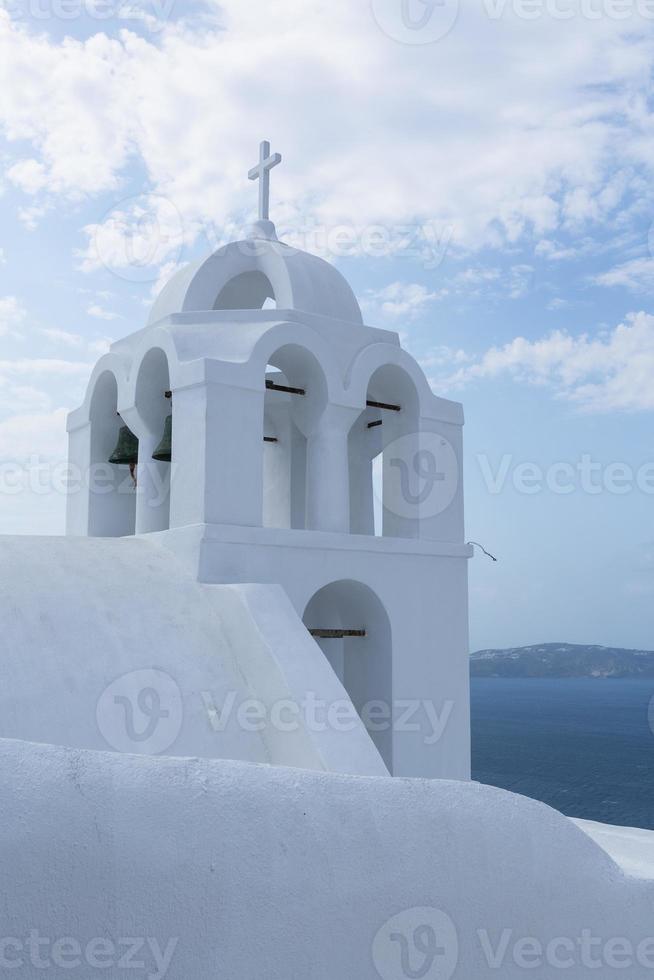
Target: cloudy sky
<point>482,173</point>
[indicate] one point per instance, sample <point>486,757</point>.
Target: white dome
<point>242,275</point>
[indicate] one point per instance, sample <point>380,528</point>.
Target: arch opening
<point>247,291</point>
<point>288,423</point>
<point>363,664</point>
<point>112,494</point>
<point>377,444</point>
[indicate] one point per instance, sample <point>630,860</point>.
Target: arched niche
<point>378,443</point>
<point>363,664</point>
<point>289,420</point>
<point>152,408</point>
<point>248,291</point>
<point>112,494</point>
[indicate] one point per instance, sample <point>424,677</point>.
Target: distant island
<point>562,660</point>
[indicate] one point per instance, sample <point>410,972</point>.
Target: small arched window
<point>247,291</point>
<point>351,626</point>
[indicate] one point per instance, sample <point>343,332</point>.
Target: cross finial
<point>262,173</point>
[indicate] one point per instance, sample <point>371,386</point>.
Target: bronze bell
<point>126,452</point>
<point>164,451</point>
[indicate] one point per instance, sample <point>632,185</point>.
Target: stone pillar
<point>79,460</point>
<point>328,471</point>
<point>217,468</point>
<point>364,446</point>
<point>153,490</point>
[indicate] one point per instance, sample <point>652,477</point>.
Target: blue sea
<point>583,746</point>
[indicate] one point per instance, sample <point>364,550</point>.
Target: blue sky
<point>482,174</point>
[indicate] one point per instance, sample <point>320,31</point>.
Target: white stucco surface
<point>630,847</point>
<point>295,279</point>
<point>85,621</point>
<point>277,873</point>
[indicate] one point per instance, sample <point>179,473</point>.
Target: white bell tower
<point>308,450</point>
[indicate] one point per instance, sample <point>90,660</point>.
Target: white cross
<point>262,173</point>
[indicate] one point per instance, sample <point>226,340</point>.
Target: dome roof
<point>243,275</point>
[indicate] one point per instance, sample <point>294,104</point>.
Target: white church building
<point>257,618</point>
<point>281,401</point>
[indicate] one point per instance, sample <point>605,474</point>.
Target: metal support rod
<point>384,405</point>
<point>271,386</point>
<point>335,634</point>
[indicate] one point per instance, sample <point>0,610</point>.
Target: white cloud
<point>63,337</point>
<point>476,276</point>
<point>135,237</point>
<point>12,313</point>
<point>553,251</point>
<point>86,110</point>
<point>519,280</point>
<point>99,347</point>
<point>637,275</point>
<point>406,300</point>
<point>31,216</point>
<point>557,304</point>
<point>21,398</point>
<point>612,372</point>
<point>3,257</point>
<point>43,365</point>
<point>35,434</point>
<point>29,388</point>
<point>28,175</point>
<point>100,313</point>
